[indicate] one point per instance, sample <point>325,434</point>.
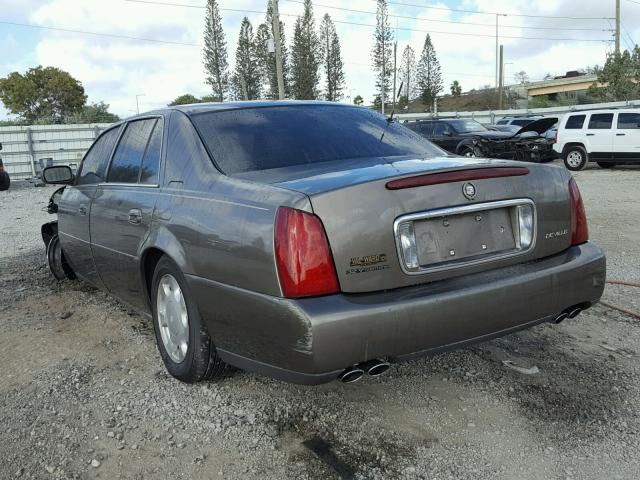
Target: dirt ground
<point>83,393</point>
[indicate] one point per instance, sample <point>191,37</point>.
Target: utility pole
<point>395,58</point>
<point>501,80</point>
<point>496,50</point>
<point>617,27</point>
<point>276,41</point>
<point>137,103</point>
<point>382,81</point>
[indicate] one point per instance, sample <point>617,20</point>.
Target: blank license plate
<point>464,236</point>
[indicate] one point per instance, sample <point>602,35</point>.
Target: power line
<point>496,13</point>
<point>459,22</point>
<point>369,25</point>
<point>99,34</point>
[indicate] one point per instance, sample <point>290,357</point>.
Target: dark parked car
<point>311,241</point>
<point>5,180</point>
<point>470,138</point>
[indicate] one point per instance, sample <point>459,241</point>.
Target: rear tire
<point>576,158</point>
<point>608,165</point>
<point>184,344</point>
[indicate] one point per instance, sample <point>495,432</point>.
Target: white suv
<point>607,137</point>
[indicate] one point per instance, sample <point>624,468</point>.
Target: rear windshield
<point>250,139</point>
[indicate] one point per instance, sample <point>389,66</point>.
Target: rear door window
<point>575,122</point>
<point>600,121</point>
<point>629,121</point>
<point>94,165</point>
<point>125,166</point>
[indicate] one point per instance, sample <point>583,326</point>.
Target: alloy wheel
<point>173,318</point>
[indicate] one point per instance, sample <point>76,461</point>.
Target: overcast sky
<point>114,70</point>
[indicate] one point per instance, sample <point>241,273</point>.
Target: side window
<point>575,122</point>
<point>600,121</point>
<point>187,160</point>
<point>94,165</point>
<point>521,123</point>
<point>151,159</point>
<point>125,166</point>
<point>441,129</point>
<point>426,128</point>
<point>503,122</point>
<point>629,121</point>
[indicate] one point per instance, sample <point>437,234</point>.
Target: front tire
<point>576,158</point>
<point>184,344</point>
<point>468,152</point>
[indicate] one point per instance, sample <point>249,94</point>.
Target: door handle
<point>620,134</point>
<point>82,209</point>
<point>590,134</point>
<point>135,216</point>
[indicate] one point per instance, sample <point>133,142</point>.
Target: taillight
<point>304,261</point>
<point>555,137</point>
<point>579,229</point>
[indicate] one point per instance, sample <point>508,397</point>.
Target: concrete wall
<point>24,147</point>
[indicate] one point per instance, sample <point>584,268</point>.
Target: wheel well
<point>570,145</point>
<point>149,261</point>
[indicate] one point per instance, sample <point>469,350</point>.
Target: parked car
<point>5,180</point>
<point>311,241</point>
<point>470,138</point>
<point>607,137</point>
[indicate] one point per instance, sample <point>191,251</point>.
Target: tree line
<point>312,51</point>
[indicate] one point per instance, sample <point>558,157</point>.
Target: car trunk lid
<point>363,204</point>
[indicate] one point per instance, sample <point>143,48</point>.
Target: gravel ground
<point>83,393</point>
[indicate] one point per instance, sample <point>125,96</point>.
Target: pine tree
<point>304,69</point>
<point>246,78</point>
<point>331,58</point>
<point>429,76</point>
<point>264,57</point>
<point>382,54</point>
<point>215,52</point>
<point>408,72</point>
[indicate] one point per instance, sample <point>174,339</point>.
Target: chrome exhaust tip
<point>375,367</point>
<point>574,312</point>
<point>560,317</point>
<point>351,374</point>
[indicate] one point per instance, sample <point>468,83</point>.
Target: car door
<point>75,205</point>
<point>599,136</point>
<point>122,210</point>
<point>626,142</point>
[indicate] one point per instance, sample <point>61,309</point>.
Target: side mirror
<point>58,175</point>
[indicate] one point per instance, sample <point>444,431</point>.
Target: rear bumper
<point>312,340</point>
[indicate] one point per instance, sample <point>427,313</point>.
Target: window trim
<point>119,139</point>
<point>104,132</point>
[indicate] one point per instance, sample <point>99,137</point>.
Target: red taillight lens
<point>579,229</point>
<point>555,137</point>
<point>303,257</point>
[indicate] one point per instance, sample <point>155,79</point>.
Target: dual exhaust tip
<point>571,312</point>
<point>372,368</point>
